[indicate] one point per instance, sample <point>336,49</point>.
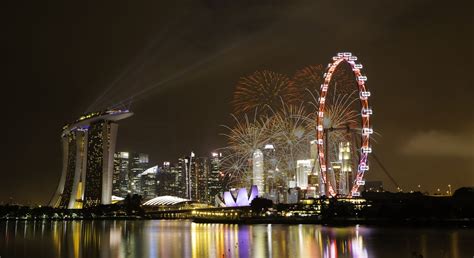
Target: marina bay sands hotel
<point>88,160</point>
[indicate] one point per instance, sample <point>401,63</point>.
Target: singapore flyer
<point>342,176</point>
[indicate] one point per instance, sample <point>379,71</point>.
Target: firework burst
<point>309,79</point>
<point>243,139</point>
<point>289,133</point>
<point>264,89</point>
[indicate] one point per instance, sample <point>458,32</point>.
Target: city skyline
<point>179,74</point>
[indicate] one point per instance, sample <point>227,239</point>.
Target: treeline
<point>378,206</point>
<point>128,208</point>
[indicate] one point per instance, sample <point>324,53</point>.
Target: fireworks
<point>290,133</point>
<point>244,138</point>
<point>309,79</point>
<point>263,90</point>
<point>287,120</point>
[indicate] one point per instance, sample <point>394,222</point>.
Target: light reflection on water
<point>174,238</point>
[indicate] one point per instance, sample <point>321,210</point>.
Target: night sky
<point>177,65</point>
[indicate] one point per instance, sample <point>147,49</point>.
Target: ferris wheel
<point>365,129</point>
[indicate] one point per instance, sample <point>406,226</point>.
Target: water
<point>174,238</point>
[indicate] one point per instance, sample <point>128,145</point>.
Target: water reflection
<point>156,238</point>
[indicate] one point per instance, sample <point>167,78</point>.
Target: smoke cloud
<point>438,143</point>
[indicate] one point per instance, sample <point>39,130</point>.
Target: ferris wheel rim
<point>366,111</point>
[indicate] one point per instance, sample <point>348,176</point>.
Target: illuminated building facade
<point>167,180</point>
<point>199,176</point>
<point>127,168</point>
<point>121,178</point>
<point>88,160</point>
<point>194,178</point>
<point>214,180</point>
<point>138,163</point>
<point>303,171</point>
<point>269,171</point>
<point>346,176</point>
<point>148,183</point>
<point>239,197</point>
<point>257,165</point>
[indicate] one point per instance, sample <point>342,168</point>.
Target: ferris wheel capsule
<point>366,150</point>
<point>366,111</point>
<point>322,100</point>
<point>357,194</point>
<point>367,130</point>
<point>362,78</point>
<point>363,167</point>
<point>347,54</point>
<point>364,94</point>
<point>360,182</point>
<point>340,54</point>
<point>353,58</point>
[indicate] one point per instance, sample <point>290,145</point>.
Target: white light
<point>321,155</point>
<point>358,66</point>
<point>323,167</point>
<point>367,130</point>
<point>362,78</point>
<point>366,150</point>
<point>353,58</point>
<point>364,94</point>
<point>269,147</point>
<point>340,54</point>
<point>320,141</point>
<point>355,194</point>
<point>214,154</point>
<point>324,87</point>
<point>347,54</point>
<point>334,58</point>
<point>367,111</point>
<point>321,114</point>
<point>360,182</point>
<point>364,168</point>
<point>324,75</point>
<point>322,100</point>
<point>320,128</point>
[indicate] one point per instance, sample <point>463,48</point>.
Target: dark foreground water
<point>174,238</point>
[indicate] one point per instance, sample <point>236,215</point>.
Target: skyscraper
<point>121,179</point>
<point>346,177</point>
<point>199,179</point>
<point>88,149</point>
<point>257,165</point>
<point>127,168</point>
<point>166,180</point>
<point>214,181</point>
<point>138,163</point>
<point>148,183</point>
